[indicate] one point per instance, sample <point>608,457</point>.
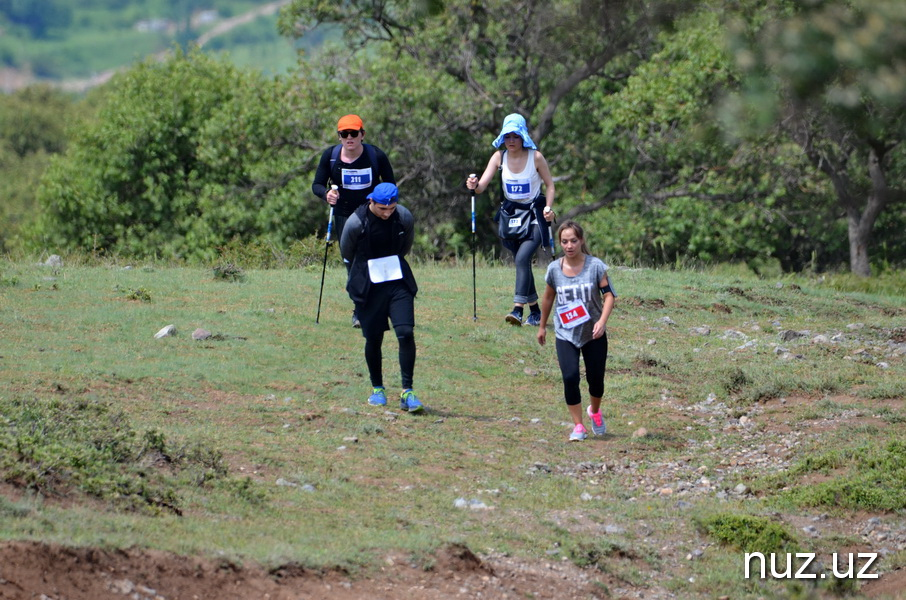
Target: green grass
<point>90,397</point>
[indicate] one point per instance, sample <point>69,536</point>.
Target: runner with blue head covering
<point>524,173</point>
<point>515,123</point>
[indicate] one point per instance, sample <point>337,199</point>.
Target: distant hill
<point>78,44</point>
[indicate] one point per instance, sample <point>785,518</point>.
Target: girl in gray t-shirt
<point>578,291</point>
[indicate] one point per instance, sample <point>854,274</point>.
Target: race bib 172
<point>518,189</point>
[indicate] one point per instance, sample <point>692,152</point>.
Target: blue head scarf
<point>515,123</point>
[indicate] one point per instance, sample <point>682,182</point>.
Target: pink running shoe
<point>578,433</point>
<point>598,426</point>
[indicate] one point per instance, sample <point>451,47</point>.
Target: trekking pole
<point>550,235</point>
<point>324,266</point>
<point>474,287</point>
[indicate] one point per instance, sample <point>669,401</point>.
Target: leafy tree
<point>181,160</point>
<point>831,75</point>
<point>678,190</point>
<point>440,77</point>
<point>33,126</point>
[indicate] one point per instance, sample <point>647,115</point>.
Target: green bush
<point>748,533</point>
<point>179,162</point>
<point>58,446</point>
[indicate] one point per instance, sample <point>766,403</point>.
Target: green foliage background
<point>654,146</point>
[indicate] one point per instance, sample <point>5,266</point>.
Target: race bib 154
<point>573,314</point>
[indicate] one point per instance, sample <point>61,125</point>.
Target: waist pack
<point>514,220</point>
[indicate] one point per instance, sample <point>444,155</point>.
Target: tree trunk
<point>862,223</point>
<point>859,236</point>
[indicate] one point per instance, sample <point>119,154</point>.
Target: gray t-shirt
<point>578,303</point>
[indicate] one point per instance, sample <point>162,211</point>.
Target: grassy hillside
<point>89,38</point>
<point>744,415</point>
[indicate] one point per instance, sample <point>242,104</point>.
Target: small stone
<point>122,586</point>
<point>585,496</point>
<point>640,433</point>
<point>351,440</point>
<point>789,335</point>
<point>473,504</point>
<point>741,489</point>
<point>700,330</point>
<point>53,260</point>
<point>165,332</point>
<point>666,491</point>
<point>201,334</point>
<point>855,326</point>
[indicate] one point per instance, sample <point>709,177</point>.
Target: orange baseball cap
<point>351,123</point>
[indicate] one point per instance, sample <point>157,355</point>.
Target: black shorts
<point>391,300</point>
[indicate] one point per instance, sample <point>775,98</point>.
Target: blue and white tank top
<point>521,187</point>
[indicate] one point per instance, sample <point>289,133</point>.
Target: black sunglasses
<point>349,133</point>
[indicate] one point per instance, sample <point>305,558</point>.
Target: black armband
<point>606,289</point>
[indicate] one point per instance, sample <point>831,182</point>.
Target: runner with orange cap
<point>355,168</point>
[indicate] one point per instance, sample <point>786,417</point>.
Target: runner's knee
<point>404,331</point>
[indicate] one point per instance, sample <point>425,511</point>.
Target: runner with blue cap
<point>375,242</point>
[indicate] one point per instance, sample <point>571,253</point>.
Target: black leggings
<point>391,300</point>
<point>594,354</point>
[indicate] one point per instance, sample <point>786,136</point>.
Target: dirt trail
<point>31,570</point>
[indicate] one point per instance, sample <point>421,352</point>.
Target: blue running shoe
<point>409,402</point>
<point>378,397</point>
<point>534,319</point>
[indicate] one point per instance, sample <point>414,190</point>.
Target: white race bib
<point>518,189</point>
<point>384,269</point>
<point>356,179</point>
<point>573,314</point>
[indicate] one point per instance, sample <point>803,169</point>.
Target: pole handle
<point>329,223</point>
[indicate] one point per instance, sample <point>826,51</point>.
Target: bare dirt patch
<point>37,570</point>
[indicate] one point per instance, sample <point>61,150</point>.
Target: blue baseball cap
<point>384,193</point>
